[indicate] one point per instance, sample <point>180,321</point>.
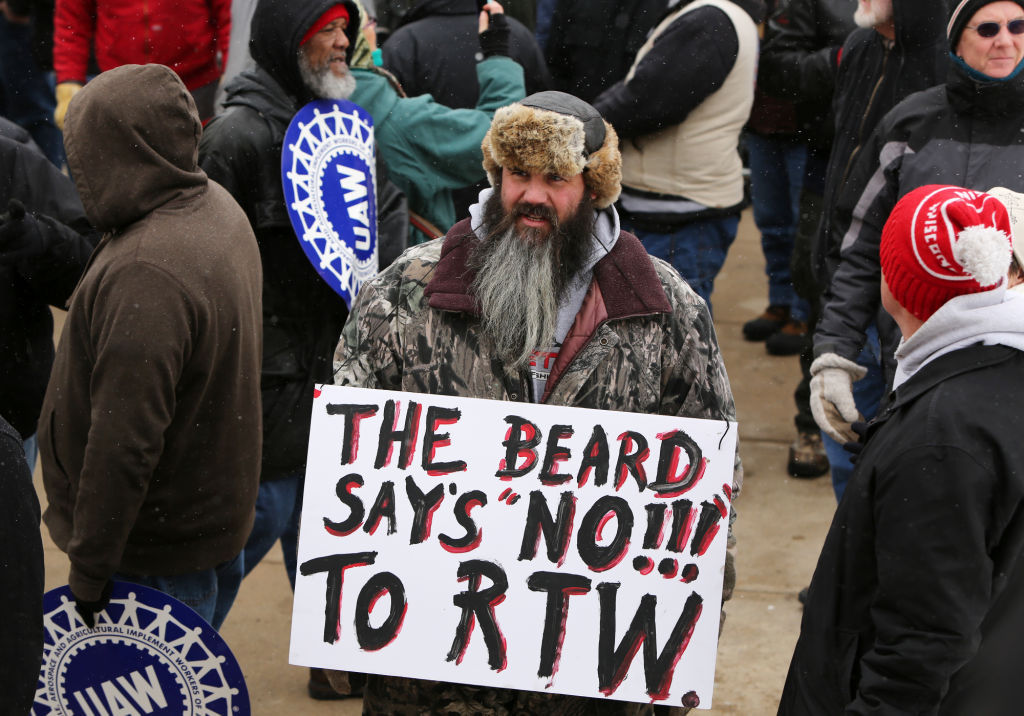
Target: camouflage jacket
<point>642,342</point>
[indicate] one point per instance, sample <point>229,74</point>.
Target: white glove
<point>832,403</point>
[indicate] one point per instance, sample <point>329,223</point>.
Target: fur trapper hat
<point>940,242</point>
<point>556,133</point>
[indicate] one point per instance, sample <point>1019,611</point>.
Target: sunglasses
<point>991,29</point>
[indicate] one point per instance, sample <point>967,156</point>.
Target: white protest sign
<point>515,545</point>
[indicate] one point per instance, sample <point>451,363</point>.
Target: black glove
<point>855,447</point>
<point>88,610</point>
<point>494,40</point>
<point>20,237</point>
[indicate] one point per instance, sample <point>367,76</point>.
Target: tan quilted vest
<point>698,158</point>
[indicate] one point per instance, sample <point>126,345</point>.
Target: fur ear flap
<point>603,173</point>
<point>490,164</point>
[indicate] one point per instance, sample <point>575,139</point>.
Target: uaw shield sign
<point>147,654</point>
<point>329,176</point>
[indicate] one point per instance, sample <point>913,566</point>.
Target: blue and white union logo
<point>148,654</point>
<point>329,176</point>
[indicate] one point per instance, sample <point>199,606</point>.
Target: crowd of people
<point>559,184</point>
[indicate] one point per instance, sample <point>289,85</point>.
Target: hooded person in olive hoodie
<point>150,427</point>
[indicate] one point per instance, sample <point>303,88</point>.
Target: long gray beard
<point>323,83</point>
<point>515,285</point>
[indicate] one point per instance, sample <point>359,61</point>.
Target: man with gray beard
<point>537,296</point>
<point>301,51</point>
<point>522,275</point>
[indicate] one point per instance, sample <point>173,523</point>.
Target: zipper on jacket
<point>518,391</point>
<point>589,340</point>
<point>864,117</point>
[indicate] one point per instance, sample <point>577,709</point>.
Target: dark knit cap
<point>962,13</point>
<point>335,13</point>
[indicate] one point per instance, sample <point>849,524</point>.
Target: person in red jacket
<point>189,36</point>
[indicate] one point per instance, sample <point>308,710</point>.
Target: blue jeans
<point>697,250</point>
<point>867,394</point>
<point>278,508</point>
<point>545,11</point>
<point>210,592</point>
<point>28,98</point>
<point>31,446</point>
<point>776,179</point>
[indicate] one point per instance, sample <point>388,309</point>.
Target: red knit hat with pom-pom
<point>944,241</point>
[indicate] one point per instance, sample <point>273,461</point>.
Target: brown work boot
<point>773,318</point>
<point>807,456</point>
<point>790,340</point>
<point>323,689</point>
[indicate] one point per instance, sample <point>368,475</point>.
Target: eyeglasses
<point>991,29</point>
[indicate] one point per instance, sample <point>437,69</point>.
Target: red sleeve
<point>74,24</point>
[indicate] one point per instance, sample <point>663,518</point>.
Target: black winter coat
<point>967,133</point>
<point>593,43</point>
<point>241,150</point>
<point>21,577</point>
<point>799,61</point>
<point>28,288</point>
<point>302,315</point>
<point>436,49</point>
<point>874,76</point>
<point>917,603</point>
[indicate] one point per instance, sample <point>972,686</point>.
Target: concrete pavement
<point>781,524</point>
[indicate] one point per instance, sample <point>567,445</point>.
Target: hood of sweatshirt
<point>993,317</point>
<point>132,141</point>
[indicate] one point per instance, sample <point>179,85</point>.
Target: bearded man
<point>537,296</point>
<point>302,52</point>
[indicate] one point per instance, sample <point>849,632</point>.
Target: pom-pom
<point>984,253</point>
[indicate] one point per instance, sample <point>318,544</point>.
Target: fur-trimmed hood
<point>556,133</point>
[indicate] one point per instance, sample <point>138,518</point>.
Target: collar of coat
<point>963,360</point>
<point>628,283</point>
<point>970,92</point>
